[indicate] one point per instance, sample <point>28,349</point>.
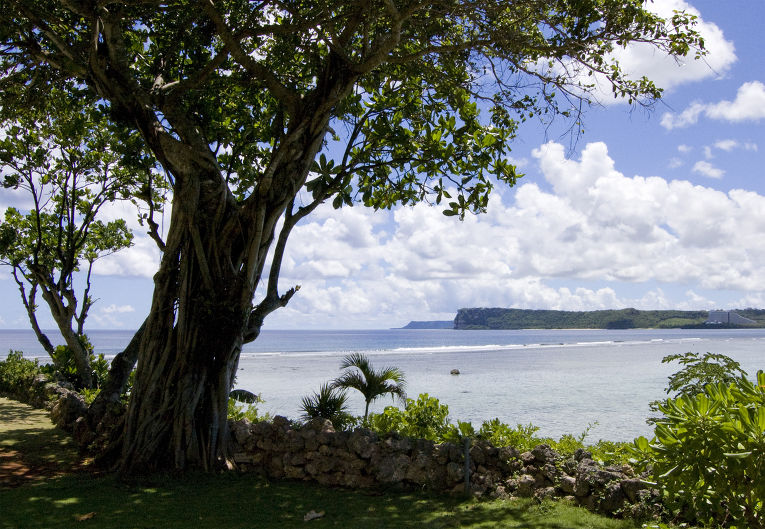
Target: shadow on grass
<point>234,501</point>
<point>43,448</point>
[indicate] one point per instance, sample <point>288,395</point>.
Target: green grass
<point>234,501</point>
<point>29,431</point>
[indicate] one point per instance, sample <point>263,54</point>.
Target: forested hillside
<point>499,318</point>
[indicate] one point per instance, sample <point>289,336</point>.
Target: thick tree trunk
<point>214,257</point>
<point>189,349</point>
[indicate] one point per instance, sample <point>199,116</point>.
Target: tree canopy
<point>260,111</point>
<point>61,155</point>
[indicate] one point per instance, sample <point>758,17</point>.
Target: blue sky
<point>648,209</point>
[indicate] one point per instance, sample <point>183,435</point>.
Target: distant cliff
<point>429,325</point>
<point>498,318</point>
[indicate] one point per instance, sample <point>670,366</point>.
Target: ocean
<point>559,380</point>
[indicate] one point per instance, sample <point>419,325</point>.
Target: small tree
<point>370,382</point>
<point>67,161</point>
<point>698,371</point>
<point>708,454</point>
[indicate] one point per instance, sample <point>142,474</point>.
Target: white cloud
<point>118,309</point>
<point>726,145</point>
<point>749,105</point>
<point>707,169</point>
<point>142,259</point>
<point>689,116</point>
<point>684,149</point>
<point>640,59</point>
<point>596,229</point>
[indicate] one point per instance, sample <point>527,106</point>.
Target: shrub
<point>328,403</point>
<point>697,372</point>
<point>17,374</point>
<point>500,434</point>
<point>247,409</point>
<point>425,418</point>
<point>64,367</point>
<point>708,454</point>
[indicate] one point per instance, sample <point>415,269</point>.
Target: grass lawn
<point>234,500</point>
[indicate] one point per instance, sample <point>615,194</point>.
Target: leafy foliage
<point>247,411</point>
<point>328,403</point>
<point>372,383</point>
<point>70,162</point>
<point>64,367</point>
<point>425,418</point>
<point>698,371</point>
<point>17,373</point>
<point>708,454</point>
<point>500,318</point>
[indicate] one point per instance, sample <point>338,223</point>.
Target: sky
<point>651,209</point>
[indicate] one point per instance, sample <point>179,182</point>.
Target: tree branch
<point>289,98</point>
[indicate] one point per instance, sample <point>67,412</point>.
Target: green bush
<point>698,371</point>
<point>64,367</point>
<point>248,410</point>
<point>328,403</point>
<point>500,434</point>
<point>17,374</point>
<point>708,454</point>
<point>425,418</point>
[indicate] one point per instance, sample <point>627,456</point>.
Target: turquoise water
<point>560,380</point>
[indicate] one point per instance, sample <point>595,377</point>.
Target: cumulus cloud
<point>117,309</point>
<point>707,169</point>
<point>592,231</point>
<point>749,105</point>
<point>111,317</point>
<point>640,59</point>
<point>142,260</point>
<point>731,145</point>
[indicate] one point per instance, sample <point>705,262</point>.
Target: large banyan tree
<point>259,111</point>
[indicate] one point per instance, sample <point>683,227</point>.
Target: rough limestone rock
<point>544,454</point>
<point>362,459</point>
<point>544,493</point>
<point>68,409</point>
<point>567,484</point>
<point>632,488</point>
<point>525,486</point>
<point>613,498</point>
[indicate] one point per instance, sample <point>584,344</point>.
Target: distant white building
<point>718,317</point>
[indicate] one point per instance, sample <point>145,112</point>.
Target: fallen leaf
<point>83,517</point>
<point>312,515</point>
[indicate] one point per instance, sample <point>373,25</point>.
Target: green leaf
<point>737,455</point>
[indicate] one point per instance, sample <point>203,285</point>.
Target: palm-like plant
<point>370,382</point>
<point>328,403</point>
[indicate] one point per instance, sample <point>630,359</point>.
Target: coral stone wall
<point>362,459</point>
